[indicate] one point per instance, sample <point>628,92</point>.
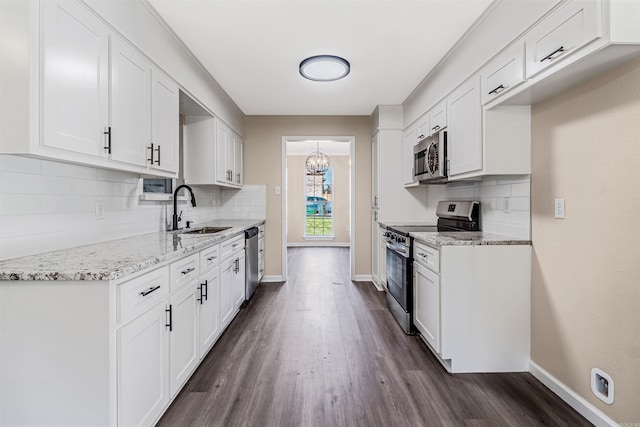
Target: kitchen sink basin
<point>205,230</point>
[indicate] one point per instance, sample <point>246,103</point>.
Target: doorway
<point>317,204</point>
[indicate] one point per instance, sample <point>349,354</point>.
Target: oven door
<point>398,280</point>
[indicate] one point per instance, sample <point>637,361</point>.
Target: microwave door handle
<point>426,158</point>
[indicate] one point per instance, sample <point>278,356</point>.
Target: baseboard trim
<point>271,279</point>
<point>377,285</point>
<point>316,243</point>
<point>363,278</point>
<point>573,399</point>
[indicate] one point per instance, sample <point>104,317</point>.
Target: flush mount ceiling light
<point>324,68</point>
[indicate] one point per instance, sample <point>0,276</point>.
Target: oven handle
<point>400,250</point>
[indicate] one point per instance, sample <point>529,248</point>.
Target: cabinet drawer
<point>230,246</point>
<point>142,293</point>
<point>503,73</point>
<point>427,256</point>
<point>438,118</point>
<point>184,271</point>
<point>569,28</point>
<point>209,258</point>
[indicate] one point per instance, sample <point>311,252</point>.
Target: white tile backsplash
<point>47,205</point>
<point>491,192</point>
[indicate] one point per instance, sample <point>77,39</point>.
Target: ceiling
<point>253,48</point>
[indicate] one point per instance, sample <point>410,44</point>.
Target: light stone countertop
<point>118,258</point>
<point>466,238</point>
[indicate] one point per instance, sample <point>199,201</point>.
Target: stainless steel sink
<point>205,230</point>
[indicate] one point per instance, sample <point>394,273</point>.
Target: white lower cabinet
<point>427,304</point>
<point>226,294</point>
<point>142,363</point>
<point>208,308</point>
<point>183,336</point>
<point>473,316</point>
<point>239,286</point>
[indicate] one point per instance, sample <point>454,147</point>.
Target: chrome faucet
<point>177,218</point>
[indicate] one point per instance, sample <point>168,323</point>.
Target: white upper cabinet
<point>503,73</point>
<point>130,104</point>
<point>228,156</point>
<point>238,145</point>
<point>75,99</point>
<point>438,118</point>
<point>165,122</point>
<point>409,141</point>
<point>423,129</point>
<point>564,31</point>
<point>465,128</point>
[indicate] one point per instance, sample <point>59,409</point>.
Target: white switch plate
<point>558,208</point>
<point>277,189</point>
<point>99,210</point>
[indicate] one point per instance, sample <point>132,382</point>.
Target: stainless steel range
<point>452,216</point>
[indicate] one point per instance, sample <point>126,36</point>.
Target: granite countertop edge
<point>117,259</point>
<point>467,238</point>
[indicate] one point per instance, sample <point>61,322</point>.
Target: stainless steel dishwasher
<point>251,261</point>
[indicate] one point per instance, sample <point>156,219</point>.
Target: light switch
<point>277,189</point>
<point>99,210</point>
<point>558,210</point>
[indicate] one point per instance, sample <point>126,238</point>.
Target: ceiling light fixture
<point>317,163</point>
<point>324,68</point>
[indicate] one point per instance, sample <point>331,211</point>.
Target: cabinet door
<point>465,133</point>
<point>408,142</point>
<point>226,299</point>
<point>569,28</point>
<point>438,118</point>
<point>503,73</point>
<point>75,60</point>
<point>423,129</point>
<point>382,259</point>
<point>183,338</point>
<point>130,104</point>
<point>375,165</point>
<point>208,300</point>
<point>427,305</point>
<point>237,160</point>
<point>223,171</point>
<point>239,286</point>
<point>142,364</point>
<point>165,116</point>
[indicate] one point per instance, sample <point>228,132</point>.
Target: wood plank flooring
<point>320,350</point>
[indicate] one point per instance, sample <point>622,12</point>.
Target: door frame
<point>352,205</point>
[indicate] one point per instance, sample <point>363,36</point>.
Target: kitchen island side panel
<point>55,354</point>
<point>485,304</point>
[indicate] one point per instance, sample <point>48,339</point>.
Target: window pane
<point>319,206</point>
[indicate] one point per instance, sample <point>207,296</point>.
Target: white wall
<point>491,192</point>
<point>46,205</point>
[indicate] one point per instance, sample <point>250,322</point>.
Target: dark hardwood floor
<point>320,350</point>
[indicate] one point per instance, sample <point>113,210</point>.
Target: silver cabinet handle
<point>435,128</point>
<point>211,258</point>
<point>188,270</point>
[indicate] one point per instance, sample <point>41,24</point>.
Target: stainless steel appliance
<point>452,216</point>
<point>430,159</point>
<point>251,261</point>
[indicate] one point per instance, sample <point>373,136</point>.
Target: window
<point>319,206</point>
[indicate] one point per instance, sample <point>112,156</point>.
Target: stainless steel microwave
<point>430,159</point>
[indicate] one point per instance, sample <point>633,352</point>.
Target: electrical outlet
<point>602,385</point>
<point>507,205</point>
<point>99,210</point>
<point>558,208</point>
<point>277,189</point>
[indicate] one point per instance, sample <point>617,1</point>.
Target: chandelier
<point>317,163</point>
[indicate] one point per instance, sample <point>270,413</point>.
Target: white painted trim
<point>271,279</point>
<point>318,238</point>
<point>318,243</point>
<point>573,399</point>
<point>352,205</point>
<point>377,285</point>
<point>363,278</point>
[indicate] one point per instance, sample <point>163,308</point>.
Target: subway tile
<point>64,240</point>
<point>496,191</point>
<point>84,187</point>
<point>521,190</point>
<point>21,183</point>
<point>20,164</point>
<point>117,176</point>
<point>51,168</point>
<point>21,225</point>
<point>20,204</point>
<point>520,204</point>
<point>15,247</point>
<point>56,185</point>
